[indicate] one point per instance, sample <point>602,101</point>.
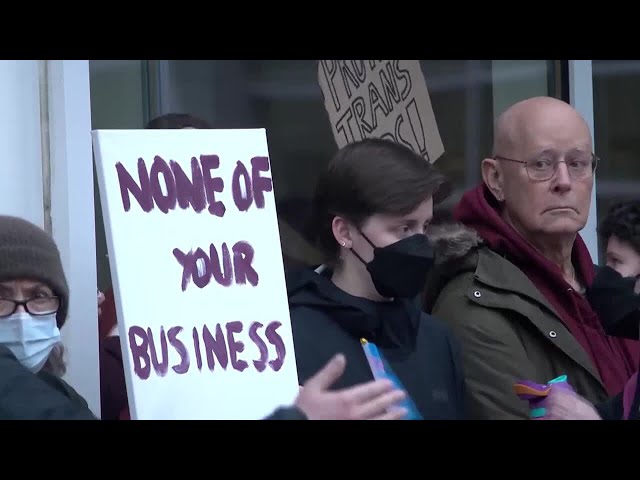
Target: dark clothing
<point>634,401</point>
<point>28,396</point>
<point>114,404</point>
<point>421,351</point>
<point>613,298</point>
<point>611,409</point>
<point>614,408</point>
<point>615,359</point>
<point>107,319</point>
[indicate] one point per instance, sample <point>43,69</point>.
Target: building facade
<point>50,106</point>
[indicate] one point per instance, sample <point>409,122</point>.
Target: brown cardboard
<point>380,98</point>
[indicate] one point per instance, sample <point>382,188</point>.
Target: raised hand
<point>369,401</point>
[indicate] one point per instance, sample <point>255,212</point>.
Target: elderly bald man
<point>511,277</point>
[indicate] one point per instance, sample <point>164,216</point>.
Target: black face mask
<point>612,297</point>
<point>400,269</point>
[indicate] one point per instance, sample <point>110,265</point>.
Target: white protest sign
<point>380,98</point>
<point>195,258</point>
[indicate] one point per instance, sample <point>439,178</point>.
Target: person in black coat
<point>26,396</point>
<point>371,210</point>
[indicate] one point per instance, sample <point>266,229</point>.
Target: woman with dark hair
<point>371,211</point>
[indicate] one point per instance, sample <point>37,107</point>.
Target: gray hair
<point>55,364</point>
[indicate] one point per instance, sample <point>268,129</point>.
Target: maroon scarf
<point>615,359</point>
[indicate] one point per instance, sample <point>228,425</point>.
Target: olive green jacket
<point>509,331</point>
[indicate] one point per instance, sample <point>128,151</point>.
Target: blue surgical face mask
<point>30,338</point>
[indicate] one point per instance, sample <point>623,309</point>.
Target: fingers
<point>368,391</point>
<point>396,413</point>
<point>100,301</point>
<point>328,374</point>
<point>555,406</point>
<point>555,411</point>
<point>562,405</point>
<point>380,404</point>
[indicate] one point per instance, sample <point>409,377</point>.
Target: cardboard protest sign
<point>195,256</point>
<point>380,98</point>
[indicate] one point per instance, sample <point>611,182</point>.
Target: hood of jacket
<point>454,246</point>
<point>392,324</point>
<point>453,241</point>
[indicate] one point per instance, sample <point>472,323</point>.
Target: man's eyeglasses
<point>542,169</point>
<point>34,306</point>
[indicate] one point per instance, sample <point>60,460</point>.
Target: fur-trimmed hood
<point>452,241</point>
<point>453,244</point>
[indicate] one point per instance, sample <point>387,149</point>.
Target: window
<point>616,96</point>
<point>118,100</point>
<point>283,96</point>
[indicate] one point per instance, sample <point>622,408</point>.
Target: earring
<point>344,244</point>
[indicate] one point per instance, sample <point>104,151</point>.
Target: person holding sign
<point>371,210</point>
<point>34,299</point>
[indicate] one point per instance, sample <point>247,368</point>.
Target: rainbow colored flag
<point>382,370</point>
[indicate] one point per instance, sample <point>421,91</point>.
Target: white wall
<point>64,131</point>
<point>72,215</point>
<point>21,178</point>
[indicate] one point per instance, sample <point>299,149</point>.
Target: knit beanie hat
<point>28,252</point>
